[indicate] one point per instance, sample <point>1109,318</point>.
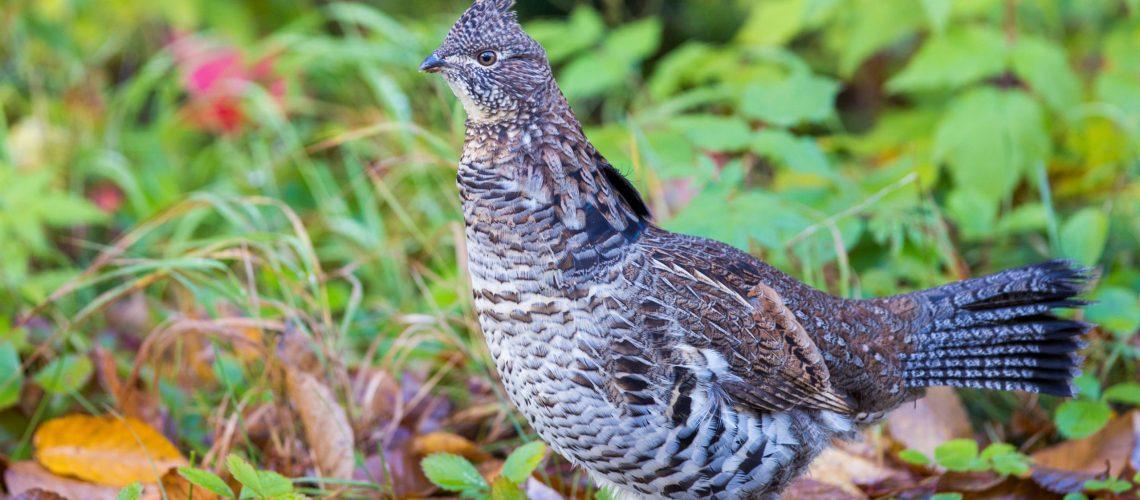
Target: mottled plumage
<point>669,365</point>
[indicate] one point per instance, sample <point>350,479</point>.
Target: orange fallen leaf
<point>30,480</point>
<point>105,450</point>
<point>327,430</point>
<point>447,442</point>
<point>176,487</point>
<point>847,471</point>
<point>1068,464</point>
<point>930,421</point>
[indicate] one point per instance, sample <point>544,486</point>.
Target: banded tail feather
<point>1000,332</point>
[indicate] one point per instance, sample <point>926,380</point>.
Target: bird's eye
<point>487,57</point>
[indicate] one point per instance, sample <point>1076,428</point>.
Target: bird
<point>672,366</point>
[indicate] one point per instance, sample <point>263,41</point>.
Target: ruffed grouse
<point>673,366</point>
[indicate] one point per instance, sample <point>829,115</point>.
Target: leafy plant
<point>1090,411</point>
<point>961,455</point>
<point>454,473</point>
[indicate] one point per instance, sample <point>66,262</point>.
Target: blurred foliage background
<point>183,182</point>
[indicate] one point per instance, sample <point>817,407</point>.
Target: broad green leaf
<point>1087,386</point>
<point>973,212</point>
<point>132,491</point>
<point>1128,393</point>
<point>1075,496</point>
<point>11,375</point>
<point>1006,459</point>
<point>1045,67</point>
<point>452,473</point>
<point>503,489</point>
<point>636,41</point>
<point>206,480</point>
<point>1116,310</point>
<point>1078,418</point>
<point>937,13</point>
<point>714,133</point>
<point>263,484</point>
<point>946,496</point>
<point>1115,485</point>
<point>1121,90</point>
<point>592,74</point>
<point>773,22</point>
<point>956,59</point>
<point>801,97</point>
<point>914,457</point>
<point>522,462</point>
<point>959,455</point>
<point>801,154</point>
<point>866,27</point>
<point>989,138</point>
<point>1084,235</point>
<point>582,30</point>
<point>65,375</point>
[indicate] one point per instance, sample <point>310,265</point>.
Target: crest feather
<point>499,5</point>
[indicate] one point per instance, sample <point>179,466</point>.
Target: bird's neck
<point>539,175</point>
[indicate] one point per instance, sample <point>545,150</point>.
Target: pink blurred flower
<point>216,76</point>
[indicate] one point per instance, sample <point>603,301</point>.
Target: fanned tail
<point>999,332</point>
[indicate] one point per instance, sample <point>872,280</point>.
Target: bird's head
<point>495,69</point>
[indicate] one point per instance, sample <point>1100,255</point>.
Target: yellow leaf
<point>446,442</point>
<point>105,450</point>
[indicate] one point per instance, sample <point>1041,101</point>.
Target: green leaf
<point>773,23</point>
<point>1116,310</point>
<point>801,97</point>
<point>206,480</point>
<point>1078,418</point>
<point>1006,459</point>
<point>1075,496</point>
<point>937,13</point>
<point>714,133</point>
<point>1128,393</point>
<point>522,462</point>
<point>801,154</point>
<point>973,212</point>
<point>1088,386</point>
<point>131,492</point>
<point>263,484</point>
<point>636,41</point>
<point>11,375</point>
<point>582,30</point>
<point>914,457</point>
<point>1084,235</point>
<point>954,60</point>
<point>503,489</point>
<point>989,138</point>
<point>946,496</point>
<point>1045,67</point>
<point>959,455</point>
<point>869,26</point>
<point>65,375</point>
<point>1115,485</point>
<point>452,473</point>
<point>593,74</point>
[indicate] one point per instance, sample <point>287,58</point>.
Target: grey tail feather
<point>999,332</point>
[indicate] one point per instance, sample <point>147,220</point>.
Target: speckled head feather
<point>495,68</point>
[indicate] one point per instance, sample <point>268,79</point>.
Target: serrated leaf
<point>522,462</point>
<point>1080,418</point>
<point>801,97</point>
<point>452,473</point>
<point>65,375</point>
<point>954,60</point>
<point>1084,235</point>
<point>11,375</point>
<point>989,138</point>
<point>263,484</point>
<point>1045,67</point>
<point>1128,393</point>
<point>206,480</point>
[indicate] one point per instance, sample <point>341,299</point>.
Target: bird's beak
<point>433,64</point>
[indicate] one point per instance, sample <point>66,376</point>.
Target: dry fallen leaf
<point>811,488</point>
<point>30,480</point>
<point>105,450</point>
<point>326,426</point>
<point>930,421</point>
<point>1068,464</point>
<point>447,442</point>
<point>848,471</point>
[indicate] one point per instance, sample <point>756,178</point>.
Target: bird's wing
<point>771,363</point>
